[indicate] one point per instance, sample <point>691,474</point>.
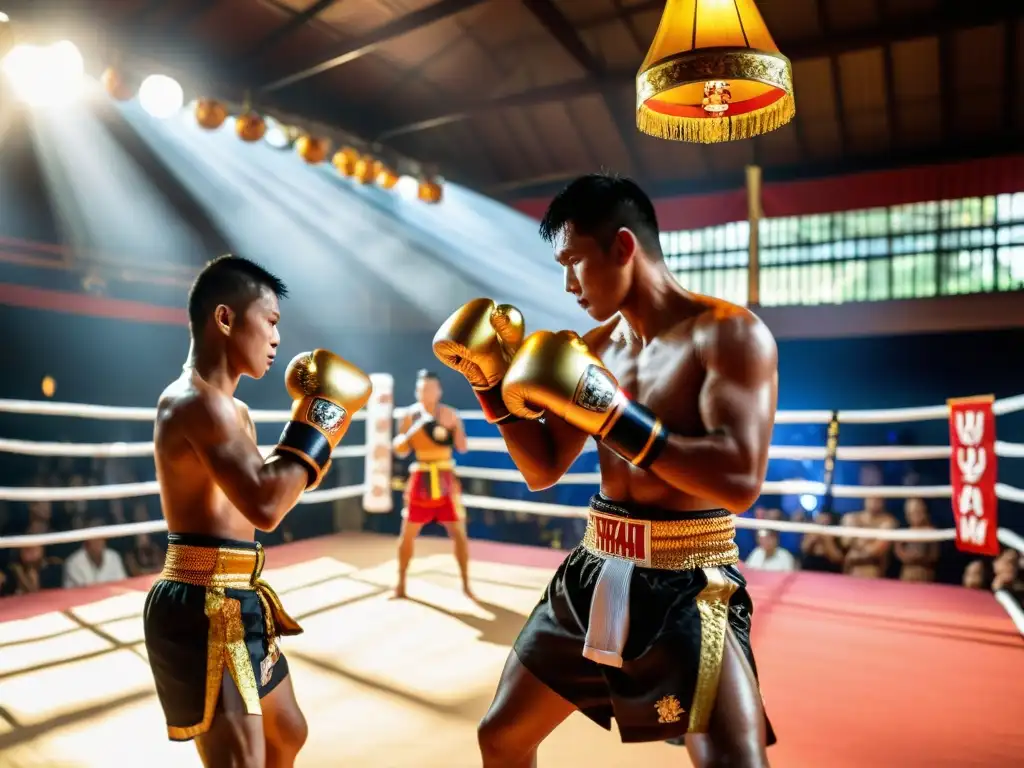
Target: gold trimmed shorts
<point>668,581</point>
<point>209,612</point>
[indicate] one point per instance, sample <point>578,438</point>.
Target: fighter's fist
<point>557,373</point>
<point>479,340</point>
<point>327,391</point>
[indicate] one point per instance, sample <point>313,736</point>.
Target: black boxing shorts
<point>209,614</point>
<point>633,624</point>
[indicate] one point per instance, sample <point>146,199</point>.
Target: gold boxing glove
<point>327,392</point>
<point>557,373</point>
<point>478,341</point>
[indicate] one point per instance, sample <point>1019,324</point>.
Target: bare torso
<point>868,558</point>
<point>191,499</point>
<point>423,447</point>
<point>666,376</point>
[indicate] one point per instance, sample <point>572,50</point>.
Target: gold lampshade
<point>713,73</point>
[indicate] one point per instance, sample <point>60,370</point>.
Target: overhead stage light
<point>45,75</point>
<point>407,187</point>
<point>278,136</point>
<point>161,96</point>
<point>809,502</point>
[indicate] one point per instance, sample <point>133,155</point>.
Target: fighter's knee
<point>498,742</point>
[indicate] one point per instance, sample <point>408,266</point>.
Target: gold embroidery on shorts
<point>669,709</point>
<point>237,657</point>
<point>713,606</point>
<point>218,570</point>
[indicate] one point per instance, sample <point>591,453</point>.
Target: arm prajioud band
<point>308,443</point>
<point>637,435</point>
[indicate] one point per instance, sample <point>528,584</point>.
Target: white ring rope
<point>1007,537</point>
<point>497,445</point>
<point>119,413</point>
<point>151,526</point>
<point>878,416</point>
<point>788,487</point>
<point>124,450</point>
<point>1012,607</point>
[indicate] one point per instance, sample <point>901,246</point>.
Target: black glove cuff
<point>637,435</point>
<point>302,440</point>
<point>494,408</point>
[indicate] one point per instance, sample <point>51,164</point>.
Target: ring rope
<point>1000,407</point>
<point>1006,536</point>
<point>497,445</point>
<point>126,450</point>
<point>1012,607</point>
<point>150,526</point>
<point>875,416</point>
<point>770,488</point>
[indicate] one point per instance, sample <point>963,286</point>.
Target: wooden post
<point>754,217</point>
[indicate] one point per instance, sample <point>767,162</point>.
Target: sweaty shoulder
<point>731,331</point>
<point>199,412</point>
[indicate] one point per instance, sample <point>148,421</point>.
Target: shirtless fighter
<point>212,624</point>
<point>648,620</point>
<point>431,429</point>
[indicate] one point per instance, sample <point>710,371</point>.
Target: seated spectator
<point>1006,573</point>
<point>975,575</point>
<point>769,556</point>
<point>868,558</point>
<point>144,556</point>
<point>918,558</point>
<point>31,571</point>
<point>787,539</point>
<point>94,563</point>
<point>820,551</point>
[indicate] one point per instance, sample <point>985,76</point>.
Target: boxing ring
<point>854,672</point>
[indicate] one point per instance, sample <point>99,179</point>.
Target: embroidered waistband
<point>434,469</point>
<point>229,568</point>
<point>706,540</point>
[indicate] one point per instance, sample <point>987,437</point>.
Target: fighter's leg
<point>284,725</point>
<point>460,541</point>
<point>736,735</point>
<point>406,545</point>
<point>523,713</point>
<point>235,739</point>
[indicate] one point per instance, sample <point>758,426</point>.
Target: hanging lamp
<point>713,73</point>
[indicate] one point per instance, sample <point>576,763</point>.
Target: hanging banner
<point>972,473</point>
<point>377,497</point>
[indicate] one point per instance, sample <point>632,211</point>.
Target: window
<point>712,260</point>
<point>937,248</point>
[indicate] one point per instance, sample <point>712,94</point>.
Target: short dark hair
<point>231,280</point>
<point>599,205</point>
<point>425,375</point>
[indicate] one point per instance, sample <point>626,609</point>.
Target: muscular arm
<point>880,547</point>
<point>737,406</point>
<point>459,441</point>
<point>401,441</point>
<point>263,491</point>
<point>543,450</point>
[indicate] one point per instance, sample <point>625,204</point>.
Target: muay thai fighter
<point>648,620</point>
